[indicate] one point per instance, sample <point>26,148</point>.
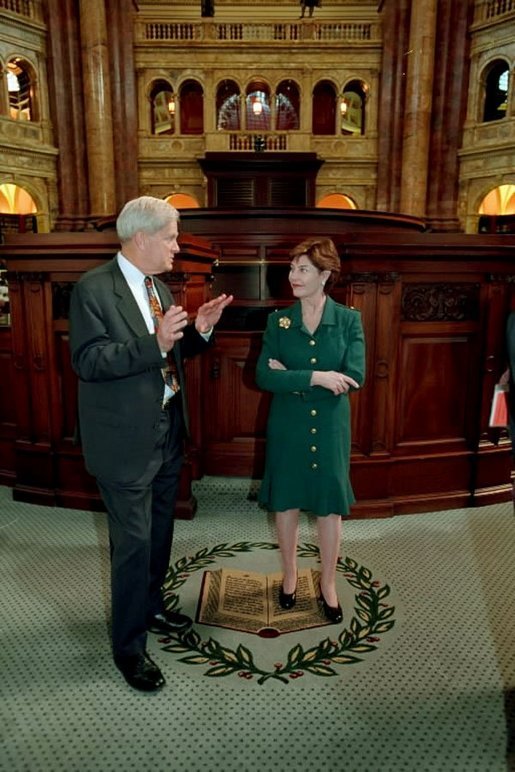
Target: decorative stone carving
<point>20,130</point>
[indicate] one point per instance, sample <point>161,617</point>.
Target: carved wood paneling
<point>236,413</point>
<point>440,302</point>
<point>382,363</point>
<point>47,465</point>
<point>435,389</point>
<point>67,392</point>
<point>425,315</point>
<point>433,311</point>
<point>7,408</point>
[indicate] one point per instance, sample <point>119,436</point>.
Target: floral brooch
<point>284,322</point>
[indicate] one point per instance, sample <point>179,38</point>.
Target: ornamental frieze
<point>501,278</point>
<point>17,130</point>
<point>389,277</point>
<point>26,163</point>
<point>440,302</point>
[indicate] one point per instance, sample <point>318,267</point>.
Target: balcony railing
<point>492,10</point>
<point>254,32</point>
<point>330,146</point>
<point>31,9</point>
<point>257,142</point>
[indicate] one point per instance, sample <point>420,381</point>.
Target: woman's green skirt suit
<point>308,432</point>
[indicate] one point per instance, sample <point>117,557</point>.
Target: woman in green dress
<point>313,354</point>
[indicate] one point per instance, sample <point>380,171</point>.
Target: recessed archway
<point>337,201</point>
<point>182,201</point>
<point>500,201</point>
<point>16,200</point>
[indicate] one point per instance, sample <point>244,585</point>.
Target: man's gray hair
<point>145,213</point>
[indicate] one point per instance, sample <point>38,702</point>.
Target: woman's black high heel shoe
<point>287,600</point>
<point>333,613</point>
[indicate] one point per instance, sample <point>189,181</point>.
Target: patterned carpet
<point>419,676</point>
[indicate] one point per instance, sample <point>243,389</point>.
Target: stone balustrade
<point>236,32</point>
<point>492,10</point>
<point>28,8</point>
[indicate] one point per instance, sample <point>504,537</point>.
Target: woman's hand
<point>338,383</point>
<point>274,364</point>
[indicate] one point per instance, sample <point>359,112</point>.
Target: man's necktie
<point>170,371</point>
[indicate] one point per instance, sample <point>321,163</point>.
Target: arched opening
<point>287,106</point>
<point>497,210</point>
<point>191,99</point>
<point>324,108</point>
<point>16,200</point>
<point>352,108</point>
<point>228,106</point>
<point>182,201</point>
<point>258,115</point>
<point>496,85</point>
<point>336,201</point>
<point>20,88</point>
<point>163,108</point>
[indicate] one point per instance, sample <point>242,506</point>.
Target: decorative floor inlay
<point>227,652</point>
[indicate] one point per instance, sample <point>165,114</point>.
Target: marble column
<point>417,116</point>
<point>4,100</point>
<point>396,14</point>
<point>97,106</point>
<point>210,117</point>
<point>124,99</point>
<point>450,94</point>
<point>67,114</point>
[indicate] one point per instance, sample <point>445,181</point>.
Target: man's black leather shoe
<point>140,672</point>
<point>169,622</point>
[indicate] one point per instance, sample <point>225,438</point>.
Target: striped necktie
<point>170,371</point>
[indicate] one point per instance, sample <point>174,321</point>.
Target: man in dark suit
<point>128,356</point>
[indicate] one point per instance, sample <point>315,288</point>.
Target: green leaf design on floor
<point>373,617</point>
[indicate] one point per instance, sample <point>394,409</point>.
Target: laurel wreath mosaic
<point>373,618</point>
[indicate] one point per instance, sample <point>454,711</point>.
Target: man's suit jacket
<point>119,363</point>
